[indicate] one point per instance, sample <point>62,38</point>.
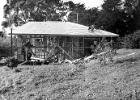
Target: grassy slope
<point>120,80</point>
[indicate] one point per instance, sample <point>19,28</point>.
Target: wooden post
<point>64,46</point>
<point>44,46</point>
<point>26,53</point>
<point>77,18</point>
<point>83,46</point>
<point>72,47</point>
<point>11,43</point>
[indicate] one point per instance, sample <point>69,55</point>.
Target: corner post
<point>11,42</point>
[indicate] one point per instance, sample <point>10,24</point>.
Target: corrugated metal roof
<point>59,28</point>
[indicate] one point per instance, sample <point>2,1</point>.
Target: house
<point>72,39</point>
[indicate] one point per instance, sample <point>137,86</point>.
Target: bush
<point>5,47</point>
<point>132,41</point>
<point>117,44</point>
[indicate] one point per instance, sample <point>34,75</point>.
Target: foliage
<point>82,15</point>
<point>4,47</point>
<point>109,14</point>
<point>78,11</point>
<point>5,24</point>
<point>132,41</point>
<point>89,17</point>
<point>118,16</point>
<point>22,11</point>
<point>105,51</point>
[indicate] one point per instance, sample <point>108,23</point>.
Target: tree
<point>89,17</point>
<point>78,11</point>
<point>118,16</point>
<point>36,10</point>
<point>21,11</point>
<point>109,14</point>
<point>4,47</point>
<point>137,15</point>
<point>80,14</point>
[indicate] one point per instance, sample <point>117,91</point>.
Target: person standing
<point>28,49</point>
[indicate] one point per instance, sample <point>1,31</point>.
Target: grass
<point>115,81</point>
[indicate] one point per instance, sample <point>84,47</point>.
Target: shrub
<point>132,41</point>
<point>5,47</point>
<point>118,43</point>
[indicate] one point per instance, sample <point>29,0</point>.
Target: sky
<point>88,4</point>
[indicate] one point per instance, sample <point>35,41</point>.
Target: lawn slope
<point>119,80</point>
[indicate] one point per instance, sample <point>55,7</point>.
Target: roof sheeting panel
<point>59,28</point>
